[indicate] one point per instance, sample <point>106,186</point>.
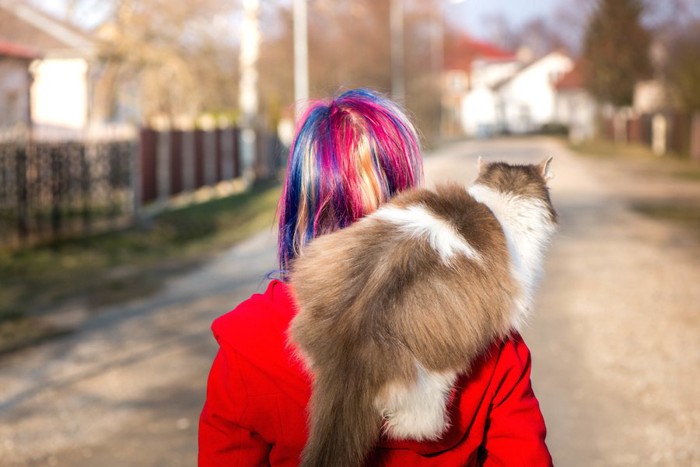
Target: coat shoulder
<point>262,314</point>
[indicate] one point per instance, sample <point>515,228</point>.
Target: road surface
<point>615,338</point>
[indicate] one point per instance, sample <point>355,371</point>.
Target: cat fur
<point>394,307</point>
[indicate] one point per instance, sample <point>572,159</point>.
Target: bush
<point>558,129</point>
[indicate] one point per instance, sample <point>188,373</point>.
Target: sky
<point>58,9</point>
<point>471,14</point>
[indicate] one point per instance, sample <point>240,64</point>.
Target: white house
<point>527,100</point>
<point>472,66</point>
<point>480,106</point>
<point>64,75</point>
<point>515,96</point>
<point>480,112</point>
<point>575,107</point>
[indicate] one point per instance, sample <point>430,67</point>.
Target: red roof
<point>460,54</point>
<point>10,49</point>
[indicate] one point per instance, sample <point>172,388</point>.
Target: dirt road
<point>615,339</point>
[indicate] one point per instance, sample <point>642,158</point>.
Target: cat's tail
<point>344,424</point>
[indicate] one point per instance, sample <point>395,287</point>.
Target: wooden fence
<point>51,189</point>
<point>176,161</point>
<point>664,132</point>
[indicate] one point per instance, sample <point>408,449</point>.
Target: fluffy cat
<point>393,308</point>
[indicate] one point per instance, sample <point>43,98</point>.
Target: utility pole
<point>439,62</point>
<point>248,85</point>
<point>301,57</point>
<point>398,87</point>
<point>438,53</point>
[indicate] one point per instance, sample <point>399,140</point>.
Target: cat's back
<point>417,227</point>
<point>450,206</point>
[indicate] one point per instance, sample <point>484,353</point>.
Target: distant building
<point>65,71</point>
<point>473,66</point>
<point>489,90</point>
<point>575,107</point>
<point>15,84</point>
<point>526,100</point>
<point>650,96</point>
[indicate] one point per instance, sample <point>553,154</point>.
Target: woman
<point>350,155</point>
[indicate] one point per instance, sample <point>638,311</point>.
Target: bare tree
<point>500,30</point>
<point>349,46</point>
<point>276,63</point>
<point>540,35</point>
<point>569,20</point>
<point>178,57</point>
<point>670,14</point>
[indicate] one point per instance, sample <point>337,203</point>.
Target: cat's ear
<point>481,165</point>
<point>545,168</point>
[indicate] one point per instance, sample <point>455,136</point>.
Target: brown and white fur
<point>393,308</point>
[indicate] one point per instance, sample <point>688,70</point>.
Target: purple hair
<point>350,155</point>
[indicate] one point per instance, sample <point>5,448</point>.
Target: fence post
<point>695,138</point>
<point>135,181</point>
<point>188,156</point>
<point>228,153</point>
<point>56,192</point>
<point>22,201</point>
<point>659,130</point>
<point>85,188</point>
<point>247,147</point>
<point>207,125</point>
<point>209,157</point>
<point>634,127</point>
<point>218,145</point>
<point>237,171</point>
<point>163,164</point>
<point>262,160</point>
<point>620,120</point>
<point>148,187</point>
<point>199,176</point>
<point>225,148</point>
<point>175,162</point>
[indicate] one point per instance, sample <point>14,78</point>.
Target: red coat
<point>255,411</point>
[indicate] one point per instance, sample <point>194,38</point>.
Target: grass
<point>606,149</point>
<point>692,174</point>
<point>118,266</point>
<point>683,212</point>
<point>641,156</point>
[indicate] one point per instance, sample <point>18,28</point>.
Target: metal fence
<point>55,189</point>
<point>51,189</point>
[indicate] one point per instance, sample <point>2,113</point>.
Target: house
<point>575,108</point>
<point>65,73</point>
<point>472,65</point>
<point>526,100</point>
<point>15,84</point>
<point>488,90</point>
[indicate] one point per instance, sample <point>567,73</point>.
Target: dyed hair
<point>350,154</point>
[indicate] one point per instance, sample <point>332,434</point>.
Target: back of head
<point>350,154</point>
